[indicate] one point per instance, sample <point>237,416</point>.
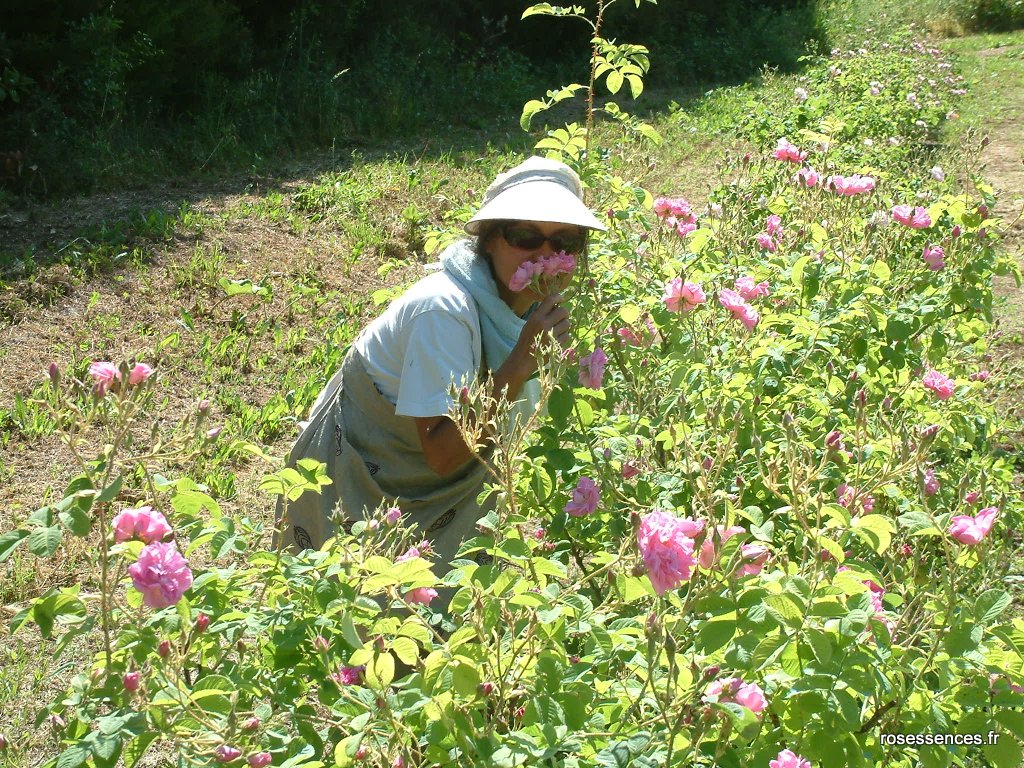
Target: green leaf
<point>11,541</point>
<point>629,313</point>
<point>43,542</point>
<point>74,756</point>
<point>796,275</point>
<point>784,609</point>
<point>614,81</point>
<point>406,650</point>
<point>621,754</point>
<point>715,634</point>
<point>348,631</point>
<point>465,677</point>
<point>990,605</point>
<point>1005,753</point>
<point>876,530</point>
<point>766,650</point>
<point>109,493</point>
<point>136,748</point>
<point>380,671</point>
<point>531,108</point>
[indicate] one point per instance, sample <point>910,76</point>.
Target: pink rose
<point>788,759</point>
<point>710,549</point>
<point>766,242</point>
<point>139,373</point>
<point>524,275</point>
<point>683,297</point>
<point>753,556</point>
<point>738,307</point>
<point>666,549</point>
<point>585,498</point>
<point>931,483</point>
<point>131,681</point>
<point>915,218</point>
<point>773,225</point>
<point>348,675</point>
<point>788,152</point>
<point>420,596</point>
<point>847,186</point>
<point>971,530</point>
<point>392,516</point>
<point>227,754</point>
<point>934,256</point>
<point>104,373</point>
<point>409,554</point>
<point>746,288</point>
<point>807,177</point>
<point>160,574</point>
<point>592,369</point>
<point>940,384</point>
<point>734,691</point>
<point>749,317</point>
<point>628,335</point>
<point>144,523</point>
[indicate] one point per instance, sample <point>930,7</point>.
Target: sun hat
<point>537,189</point>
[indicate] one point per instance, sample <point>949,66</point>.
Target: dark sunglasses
<point>529,239</point>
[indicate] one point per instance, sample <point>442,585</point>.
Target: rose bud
<point>54,373</point>
<point>202,622</point>
<point>712,671</point>
<point>260,760</point>
<point>486,689</point>
<point>204,406</point>
<point>251,724</point>
<point>930,431</point>
<point>211,434</point>
<point>164,648</point>
<point>226,754</point>
<point>320,644</point>
<point>131,681</point>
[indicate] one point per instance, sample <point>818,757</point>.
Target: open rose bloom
<point>549,267</point>
<point>160,574</point>
<point>144,523</point>
<point>970,530</point>
<point>666,544</point>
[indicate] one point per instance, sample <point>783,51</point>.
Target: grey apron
<point>375,459</point>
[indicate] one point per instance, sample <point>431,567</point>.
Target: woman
<point>381,424</point>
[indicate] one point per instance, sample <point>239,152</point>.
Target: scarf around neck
<point>499,325</point>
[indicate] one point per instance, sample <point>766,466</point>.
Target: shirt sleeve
<point>439,351</point>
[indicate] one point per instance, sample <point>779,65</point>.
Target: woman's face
<point>520,241</point>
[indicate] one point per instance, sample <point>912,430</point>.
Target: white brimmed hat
<point>537,189</point>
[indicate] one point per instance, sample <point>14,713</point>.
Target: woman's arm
<point>443,447</point>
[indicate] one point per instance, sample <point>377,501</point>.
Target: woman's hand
<point>548,317</point>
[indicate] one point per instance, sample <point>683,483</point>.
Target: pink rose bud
<point>164,648</point>
<point>982,233</point>
<point>54,373</point>
<point>392,516</point>
<point>712,671</point>
<point>260,760</point>
<point>520,712</point>
<point>131,681</point>
<point>399,762</point>
<point>906,550</point>
<point>487,688</point>
<point>862,397</point>
<point>956,230</point>
<point>607,453</point>
<point>539,534</point>
<point>972,497</point>
<point>251,724</point>
<point>204,406</point>
<point>56,721</point>
<point>854,376</point>
<point>211,434</point>
<point>834,439</point>
<point>320,644</point>
<point>202,622</point>
<point>930,431</point>
<point>708,464</point>
<point>226,754</point>
<point>373,525</point>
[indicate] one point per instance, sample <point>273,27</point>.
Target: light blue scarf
<point>499,325</point>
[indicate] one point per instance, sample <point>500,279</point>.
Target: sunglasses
<point>529,239</point>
